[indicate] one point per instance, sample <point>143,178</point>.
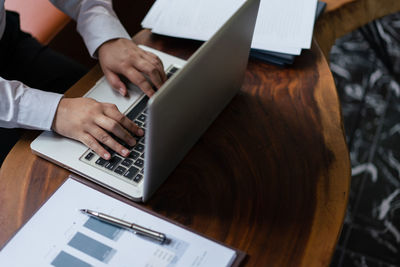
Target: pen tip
<point>83,210</point>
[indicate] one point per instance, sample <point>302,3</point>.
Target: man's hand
<point>90,122</point>
<point>122,56</point>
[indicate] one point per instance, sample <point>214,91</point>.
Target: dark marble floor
<point>371,232</point>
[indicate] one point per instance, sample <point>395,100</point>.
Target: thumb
<point>115,82</point>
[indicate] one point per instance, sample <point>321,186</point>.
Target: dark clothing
<point>24,59</point>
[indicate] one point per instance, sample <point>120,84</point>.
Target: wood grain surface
<point>269,177</point>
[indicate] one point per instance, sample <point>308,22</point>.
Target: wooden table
<point>271,175</point>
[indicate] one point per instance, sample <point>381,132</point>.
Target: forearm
<point>96,21</point>
<point>24,107</point>
<point>106,39</point>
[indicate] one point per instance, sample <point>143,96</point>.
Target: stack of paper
<point>284,27</point>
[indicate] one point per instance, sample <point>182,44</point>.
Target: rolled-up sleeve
<point>96,21</point>
<point>25,107</point>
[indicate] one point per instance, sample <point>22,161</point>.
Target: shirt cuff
<point>37,109</point>
<point>100,28</point>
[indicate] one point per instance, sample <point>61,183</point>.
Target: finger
<point>155,60</point>
<point>115,82</point>
<point>137,78</point>
<point>151,65</point>
<point>154,75</point>
<point>92,143</point>
<point>116,129</point>
<point>106,139</point>
<point>113,112</point>
<point>144,66</point>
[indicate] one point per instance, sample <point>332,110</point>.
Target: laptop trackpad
<point>103,92</point>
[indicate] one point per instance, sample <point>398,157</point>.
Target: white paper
<point>288,23</point>
<point>284,26</point>
<point>60,235</point>
<point>194,19</point>
<point>154,14</point>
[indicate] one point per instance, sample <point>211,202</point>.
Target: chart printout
<point>60,235</point>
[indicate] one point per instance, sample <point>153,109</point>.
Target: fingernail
<point>125,152</point>
<point>121,91</point>
<point>106,156</point>
<point>132,142</point>
<point>140,132</point>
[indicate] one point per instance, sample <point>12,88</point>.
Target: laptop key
<point>134,155</point>
<point>141,118</point>
<point>113,162</point>
<point>139,163</point>
<point>138,178</point>
<point>138,123</point>
<point>173,69</point>
<point>127,162</point>
<point>101,161</point>
<point>89,156</point>
<point>138,108</point>
<point>120,170</point>
<point>139,147</point>
<point>171,72</point>
<point>131,172</point>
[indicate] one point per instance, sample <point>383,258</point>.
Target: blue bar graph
<point>64,259</point>
<point>92,247</point>
<point>105,229</point>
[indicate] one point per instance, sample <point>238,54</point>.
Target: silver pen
<point>137,229</point>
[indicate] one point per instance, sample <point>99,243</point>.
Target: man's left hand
<point>124,57</point>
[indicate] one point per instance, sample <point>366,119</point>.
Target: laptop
<point>173,118</point>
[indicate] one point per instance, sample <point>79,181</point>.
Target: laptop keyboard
<point>130,168</point>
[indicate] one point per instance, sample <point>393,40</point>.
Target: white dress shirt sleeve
<point>96,21</point>
<point>24,107</point>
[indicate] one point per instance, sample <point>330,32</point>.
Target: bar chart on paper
<point>93,248</point>
<point>95,244</point>
<point>63,236</point>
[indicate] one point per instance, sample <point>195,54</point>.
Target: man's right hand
<point>92,122</point>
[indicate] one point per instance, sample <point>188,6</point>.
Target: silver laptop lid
<point>183,109</point>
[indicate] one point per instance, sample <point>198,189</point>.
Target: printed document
<point>284,26</point>
<point>60,235</point>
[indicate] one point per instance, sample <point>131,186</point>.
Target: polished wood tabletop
<point>270,176</point>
